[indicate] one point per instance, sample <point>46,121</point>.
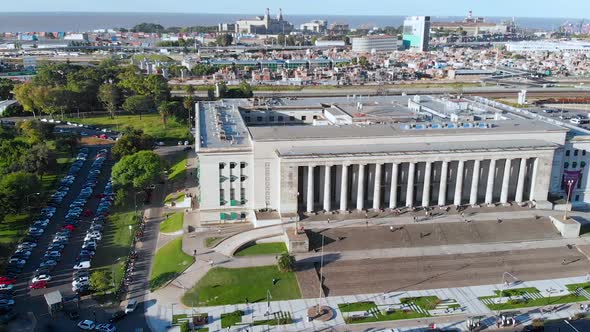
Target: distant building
<point>416,34</point>
<point>227,27</point>
<point>549,46</point>
<point>375,44</point>
<point>330,43</point>
<point>264,25</point>
<point>315,26</point>
<point>77,37</point>
<point>29,62</point>
<point>339,29</point>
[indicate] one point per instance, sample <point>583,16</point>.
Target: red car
<point>38,285</point>
<point>69,228</point>
<point>7,281</point>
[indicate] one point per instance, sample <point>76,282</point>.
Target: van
<point>82,265</point>
<point>131,305</point>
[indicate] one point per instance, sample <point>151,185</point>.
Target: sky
<point>504,8</point>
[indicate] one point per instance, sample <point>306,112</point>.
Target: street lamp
<point>569,192</point>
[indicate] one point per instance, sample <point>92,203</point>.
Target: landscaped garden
<point>222,286</point>
<point>271,248</point>
<point>526,297</point>
<point>173,223</point>
<point>231,318</point>
<point>169,262</point>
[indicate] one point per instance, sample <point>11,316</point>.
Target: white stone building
<point>291,157</point>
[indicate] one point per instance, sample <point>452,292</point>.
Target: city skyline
<point>500,8</point>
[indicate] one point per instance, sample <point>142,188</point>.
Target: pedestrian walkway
<point>466,297</point>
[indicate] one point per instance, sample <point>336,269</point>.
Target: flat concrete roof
<point>414,148</point>
<point>309,132</point>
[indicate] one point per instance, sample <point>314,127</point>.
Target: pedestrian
<point>328,220</point>
<point>499,220</point>
<point>563,262</point>
<point>415,219</point>
<point>211,262</point>
<point>421,235</point>
<point>367,223</point>
<point>195,253</point>
<point>391,228</point>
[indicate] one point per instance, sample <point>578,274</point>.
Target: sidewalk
<point>467,297</point>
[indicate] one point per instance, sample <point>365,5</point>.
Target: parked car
<point>82,265</point>
<point>38,285</point>
<point>117,316</point>
<point>131,305</point>
<point>106,328</point>
<point>86,325</point>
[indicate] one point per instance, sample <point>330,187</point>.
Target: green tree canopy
<point>100,280</point>
<point>16,190</point>
<point>108,94</point>
<point>286,262</point>
<point>132,143</point>
<point>6,87</point>
<point>224,39</point>
<point>138,170</point>
<point>167,108</point>
<point>138,104</point>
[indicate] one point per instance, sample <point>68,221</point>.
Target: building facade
<point>264,25</point>
<point>315,27</point>
<point>416,33</point>
<point>368,44</point>
<point>336,155</point>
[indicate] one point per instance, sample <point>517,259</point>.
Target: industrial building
<point>264,25</point>
<point>315,27</point>
<point>276,160</point>
<point>416,33</point>
<point>368,44</point>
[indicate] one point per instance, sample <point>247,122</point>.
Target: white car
<point>80,280</point>
<point>82,265</point>
<point>6,287</point>
<point>93,236</point>
<point>131,305</point>
<point>86,325</point>
<point>41,277</point>
<point>77,286</point>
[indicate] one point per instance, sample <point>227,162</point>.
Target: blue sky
<point>519,8</point>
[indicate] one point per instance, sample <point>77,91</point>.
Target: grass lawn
<point>222,286</point>
<point>169,262</point>
<point>572,287</point>
<point>262,249</point>
<point>173,223</point>
<point>150,124</point>
<point>356,306</point>
<point>177,171</point>
<point>211,242</point>
<point>525,303</point>
<point>231,318</point>
<point>174,197</point>
<point>280,318</point>
<point>385,316</point>
<point>424,302</point>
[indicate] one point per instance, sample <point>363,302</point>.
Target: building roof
<point>53,297</point>
<point>285,133</point>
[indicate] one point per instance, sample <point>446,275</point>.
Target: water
<point>79,22</point>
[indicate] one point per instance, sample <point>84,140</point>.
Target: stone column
<point>459,183</point>
<point>360,192</point>
<point>426,189</point>
<point>344,189</point>
<point>490,185</point>
<point>377,188</point>
<point>520,183</point>
<point>393,189</point>
<point>327,189</point>
<point>310,192</point>
<point>442,191</point>
<point>474,183</point>
<point>505,183</point>
<point>410,188</point>
<point>534,179</point>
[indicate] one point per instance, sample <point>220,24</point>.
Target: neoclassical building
<point>299,156</point>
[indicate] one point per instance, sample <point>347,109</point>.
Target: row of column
<point>442,194</point>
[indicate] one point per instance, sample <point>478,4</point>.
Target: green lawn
<point>573,287</point>
<point>211,242</point>
<point>174,197</point>
<point>169,262</point>
<point>356,306</point>
<point>424,302</point>
<point>114,247</point>
<point>525,303</point>
<point>262,249</point>
<point>385,316</point>
<point>222,286</point>
<point>280,318</point>
<point>231,318</point>
<point>173,223</point>
<point>150,124</point>
<point>177,171</point>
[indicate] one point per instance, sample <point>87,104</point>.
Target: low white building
<point>295,157</point>
<point>549,46</point>
<point>368,44</point>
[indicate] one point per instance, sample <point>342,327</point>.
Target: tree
<point>157,87</point>
<point>6,87</point>
<point>189,89</point>
<point>131,143</point>
<point>202,69</point>
<point>24,94</point>
<point>108,94</point>
<point>138,170</point>
<point>16,190</point>
<point>286,262</point>
<point>167,108</point>
<point>281,39</point>
<point>68,143</point>
<point>101,280</point>
<point>224,39</point>
<point>188,103</point>
<point>37,159</point>
<point>363,62</point>
<point>36,131</point>
<point>137,104</point>
<point>245,89</point>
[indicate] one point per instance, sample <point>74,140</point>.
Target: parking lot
<point>59,247</point>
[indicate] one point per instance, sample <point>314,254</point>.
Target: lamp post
<point>569,192</point>
<point>27,198</point>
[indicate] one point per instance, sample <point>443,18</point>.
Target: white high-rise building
<point>416,34</point>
